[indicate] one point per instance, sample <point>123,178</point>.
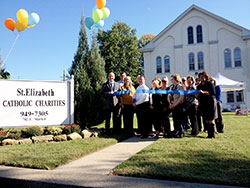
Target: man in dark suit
<point>112,103</point>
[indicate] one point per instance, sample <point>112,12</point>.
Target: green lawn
<point>224,160</point>
<point>51,155</point>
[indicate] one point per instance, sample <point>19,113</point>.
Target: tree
<point>143,41</point>
<point>97,75</point>
<point>82,83</point>
<point>3,73</point>
<point>83,93</point>
<point>89,75</point>
<point>119,48</point>
<point>96,66</point>
<point>82,50</point>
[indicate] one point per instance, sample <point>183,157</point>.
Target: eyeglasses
<point>164,81</point>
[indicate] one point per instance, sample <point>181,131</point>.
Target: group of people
<point>153,110</point>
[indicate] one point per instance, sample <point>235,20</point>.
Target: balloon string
<point>10,49</point>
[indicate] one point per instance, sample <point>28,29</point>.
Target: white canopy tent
<point>228,84</point>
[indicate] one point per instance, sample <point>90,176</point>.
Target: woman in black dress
<point>165,122</point>
<point>192,106</point>
<point>156,105</point>
<point>207,103</point>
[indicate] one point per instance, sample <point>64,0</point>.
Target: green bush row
<point>38,131</point>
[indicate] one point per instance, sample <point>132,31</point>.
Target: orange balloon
<point>100,4</point>
<point>10,24</point>
<point>20,26</point>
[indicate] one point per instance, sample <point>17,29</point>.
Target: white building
<point>198,41</point>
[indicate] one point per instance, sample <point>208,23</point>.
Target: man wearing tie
<point>112,103</point>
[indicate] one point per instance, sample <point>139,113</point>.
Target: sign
<point>44,103</point>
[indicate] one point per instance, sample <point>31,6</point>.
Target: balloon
<point>22,14</point>
<point>20,26</point>
<point>30,26</point>
<point>94,8</point>
<point>89,22</point>
<point>100,3</point>
<point>100,24</point>
<point>24,22</point>
<point>106,12</point>
<point>10,24</point>
<point>97,15</point>
<point>33,19</point>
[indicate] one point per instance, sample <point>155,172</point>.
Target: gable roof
<point>150,46</point>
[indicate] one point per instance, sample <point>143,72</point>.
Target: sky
<point>46,50</point>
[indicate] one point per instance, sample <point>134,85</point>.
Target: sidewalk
<point>93,170</point>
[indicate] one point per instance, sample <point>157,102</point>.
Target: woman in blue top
<point>219,121</point>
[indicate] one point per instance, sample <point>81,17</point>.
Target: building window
<point>167,63</point>
<point>190,35</point>
<point>239,96</point>
<point>191,62</point>
<point>199,34</point>
<point>227,58</point>
<point>230,97</point>
<point>235,96</point>
<point>237,57</point>
<point>200,61</point>
<point>158,65</point>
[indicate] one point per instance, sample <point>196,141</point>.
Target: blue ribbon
<point>164,92</point>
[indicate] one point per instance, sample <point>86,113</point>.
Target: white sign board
<point>44,103</point>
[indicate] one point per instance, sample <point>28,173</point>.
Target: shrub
<point>53,130</point>
<point>32,131</point>
<point>3,135</point>
<point>68,129</point>
<point>15,134</point>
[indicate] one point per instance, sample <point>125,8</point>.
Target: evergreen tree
<point>83,93</point>
<point>89,75</point>
<point>3,73</point>
<point>119,48</point>
<point>97,75</point>
<point>96,66</point>
<point>82,50</point>
<point>82,82</point>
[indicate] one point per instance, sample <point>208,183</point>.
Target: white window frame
<point>190,35</point>
<point>198,60</point>
<point>228,51</point>
<point>237,58</point>
<point>167,61</point>
<point>158,66</point>
<point>191,63</point>
<point>199,34</point>
<point>235,93</point>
